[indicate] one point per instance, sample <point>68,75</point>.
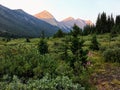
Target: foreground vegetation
<point>23,67</point>
<point>79,60</point>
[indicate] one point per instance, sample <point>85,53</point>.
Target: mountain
<point>65,24</point>
<point>88,22</point>
<point>47,17</point>
<point>21,24</point>
<point>69,22</point>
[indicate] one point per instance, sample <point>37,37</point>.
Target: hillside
<point>21,24</point>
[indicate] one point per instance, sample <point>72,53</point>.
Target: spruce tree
<point>116,28</point>
<point>98,24</point>
<point>43,46</point>
<point>117,21</point>
<point>59,34</point>
<point>76,31</point>
<point>88,29</point>
<point>94,43</point>
<point>110,24</point>
<point>104,24</point>
<point>27,40</point>
<point>65,48</point>
<point>112,21</point>
<point>79,55</point>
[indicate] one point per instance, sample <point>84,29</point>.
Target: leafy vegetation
<point>112,55</point>
<point>94,43</point>
<point>61,63</point>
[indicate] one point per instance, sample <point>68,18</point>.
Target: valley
<point>100,75</point>
<point>38,52</point>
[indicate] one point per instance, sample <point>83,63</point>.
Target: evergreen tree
<point>27,40</point>
<point>42,34</point>
<point>59,34</point>
<point>94,43</point>
<point>65,48</point>
<point>76,31</point>
<point>112,21</point>
<point>43,46</point>
<point>98,24</point>
<point>110,24</point>
<point>88,29</point>
<point>8,39</point>
<point>104,24</point>
<point>116,28</point>
<point>117,21</point>
<point>79,55</point>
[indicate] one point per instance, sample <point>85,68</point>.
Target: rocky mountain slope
<point>21,24</point>
<point>65,24</point>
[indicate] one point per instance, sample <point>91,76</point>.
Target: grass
<point>102,74</point>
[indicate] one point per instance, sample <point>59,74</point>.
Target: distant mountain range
<point>21,24</point>
<point>18,23</point>
<point>65,24</point>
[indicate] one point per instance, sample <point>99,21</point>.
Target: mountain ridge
<point>65,24</point>
<point>44,14</point>
<point>47,17</point>
<point>22,24</point>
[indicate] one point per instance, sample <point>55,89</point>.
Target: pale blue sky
<point>84,9</point>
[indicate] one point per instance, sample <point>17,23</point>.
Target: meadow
<point>22,67</point>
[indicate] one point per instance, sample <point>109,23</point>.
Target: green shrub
<point>103,48</point>
<point>112,55</point>
<point>26,62</point>
<point>46,83</point>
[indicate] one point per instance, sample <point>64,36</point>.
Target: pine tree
<point>65,48</point>
<point>76,31</point>
<point>27,40</point>
<point>42,34</point>
<point>117,21</point>
<point>43,46</point>
<point>94,43</point>
<point>79,55</point>
<point>89,29</point>
<point>116,28</point>
<point>104,24</point>
<point>59,34</point>
<point>110,23</point>
<point>98,24</point>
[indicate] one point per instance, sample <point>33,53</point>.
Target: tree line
<point>104,24</point>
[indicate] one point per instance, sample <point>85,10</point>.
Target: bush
<point>112,55</point>
<point>46,83</point>
<point>26,62</point>
<point>103,48</point>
